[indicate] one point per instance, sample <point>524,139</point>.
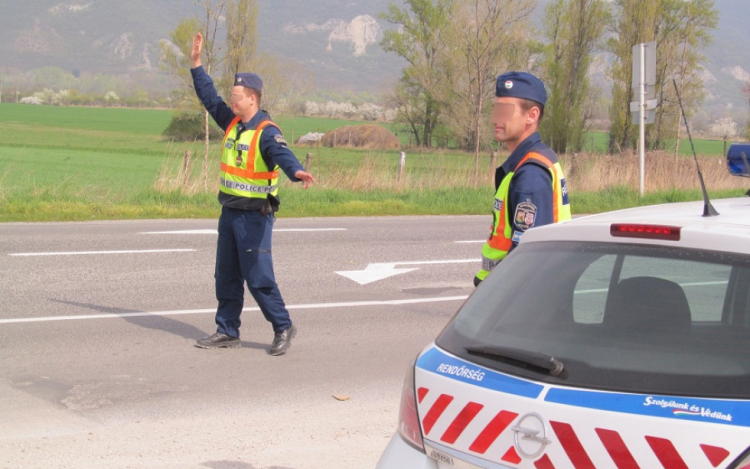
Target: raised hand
<point>195,52</point>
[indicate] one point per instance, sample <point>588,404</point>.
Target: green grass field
<point>62,163</point>
<point>597,142</point>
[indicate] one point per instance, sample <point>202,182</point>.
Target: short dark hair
<point>253,91</point>
<point>527,104</point>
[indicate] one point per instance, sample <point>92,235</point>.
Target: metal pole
<point>642,118</point>
<point>401,164</point>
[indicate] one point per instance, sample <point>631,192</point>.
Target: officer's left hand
<point>306,178</point>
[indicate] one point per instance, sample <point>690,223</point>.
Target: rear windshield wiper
<point>509,355</point>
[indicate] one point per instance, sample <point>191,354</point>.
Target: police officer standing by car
<point>253,151</point>
<point>530,185</point>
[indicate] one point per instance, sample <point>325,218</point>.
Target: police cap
<point>521,85</point>
<point>248,80</point>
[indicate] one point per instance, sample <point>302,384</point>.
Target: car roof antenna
<point>708,209</point>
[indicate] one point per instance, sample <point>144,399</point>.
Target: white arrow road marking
<point>349,304</point>
<point>213,232</point>
<point>380,271</point>
<point>80,253</point>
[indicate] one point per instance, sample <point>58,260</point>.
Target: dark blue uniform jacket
<point>274,152</point>
<point>531,186</point>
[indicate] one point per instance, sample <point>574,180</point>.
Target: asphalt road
<point>98,322</point>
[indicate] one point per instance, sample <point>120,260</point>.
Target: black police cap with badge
<point>521,85</point>
<point>248,80</point>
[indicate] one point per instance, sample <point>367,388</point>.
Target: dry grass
<point>377,171</point>
<point>595,172</point>
<point>585,173</point>
<point>181,172</point>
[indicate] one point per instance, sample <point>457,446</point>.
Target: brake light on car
<point>636,230</point>
<point>408,420</point>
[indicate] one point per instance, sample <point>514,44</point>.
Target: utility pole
<point>644,110</point>
<point>642,120</point>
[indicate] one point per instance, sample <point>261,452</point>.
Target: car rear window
<point>620,317</point>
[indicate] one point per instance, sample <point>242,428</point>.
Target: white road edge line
<point>213,232</point>
<point>205,311</point>
<point>81,253</point>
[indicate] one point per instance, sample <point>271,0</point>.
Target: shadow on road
<point>159,323</point>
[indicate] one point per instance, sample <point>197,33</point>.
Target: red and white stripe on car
<point>467,411</point>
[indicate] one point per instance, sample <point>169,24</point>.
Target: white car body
<point>470,415</point>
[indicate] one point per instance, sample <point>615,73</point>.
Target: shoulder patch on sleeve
<point>280,139</point>
<point>525,215</point>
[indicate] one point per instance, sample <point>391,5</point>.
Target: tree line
<point>455,49</point>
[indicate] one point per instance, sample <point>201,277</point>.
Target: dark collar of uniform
<point>254,121</point>
<point>521,151</point>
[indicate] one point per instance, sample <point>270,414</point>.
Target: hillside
<point>337,41</point>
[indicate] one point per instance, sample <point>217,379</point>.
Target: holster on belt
<point>271,205</point>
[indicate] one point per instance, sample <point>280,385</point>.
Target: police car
<point>618,341</point>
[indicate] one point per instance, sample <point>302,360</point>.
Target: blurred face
<point>242,101</point>
<point>512,124</point>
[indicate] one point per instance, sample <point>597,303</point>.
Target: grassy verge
<point>93,164</point>
<point>297,202</point>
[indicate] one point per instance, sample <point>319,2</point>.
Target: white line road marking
<point>380,271</point>
<point>81,253</point>
<point>474,241</point>
<point>350,304</point>
<point>213,232</point>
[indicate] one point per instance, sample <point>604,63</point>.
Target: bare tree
<point>724,128</point>
<point>241,41</point>
<point>175,61</point>
<point>635,24</point>
<point>575,29</point>
<point>420,40</point>
<point>680,29</point>
<point>210,21</point>
<point>486,38</point>
<point>284,82</point>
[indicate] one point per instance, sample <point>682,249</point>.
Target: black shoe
<point>218,340</point>
<point>282,340</point>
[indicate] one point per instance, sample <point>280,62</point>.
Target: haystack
<point>370,136</point>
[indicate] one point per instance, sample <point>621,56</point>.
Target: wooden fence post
<point>186,168</point>
<point>308,161</point>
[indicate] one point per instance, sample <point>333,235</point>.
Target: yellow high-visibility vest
<point>244,173</point>
<point>501,237</point>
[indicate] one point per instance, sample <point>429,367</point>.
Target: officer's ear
<point>533,115</point>
<point>252,92</point>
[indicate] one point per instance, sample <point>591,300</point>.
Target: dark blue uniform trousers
<point>243,253</point>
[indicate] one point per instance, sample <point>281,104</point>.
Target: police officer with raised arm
<point>530,185</point>
<point>252,153</point>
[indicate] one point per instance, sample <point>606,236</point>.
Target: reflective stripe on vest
<point>501,238</point>
<point>254,180</point>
